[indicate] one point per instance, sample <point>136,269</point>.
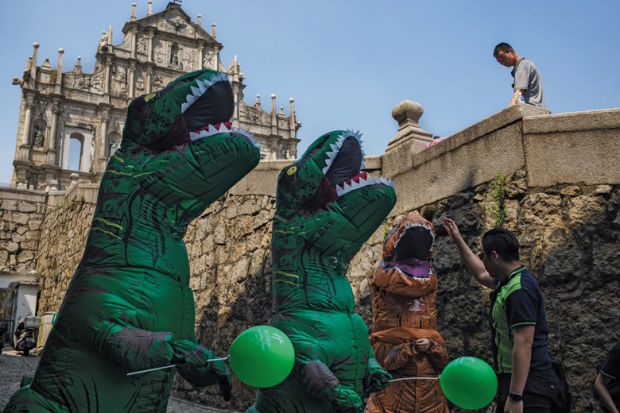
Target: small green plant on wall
<point>498,196</point>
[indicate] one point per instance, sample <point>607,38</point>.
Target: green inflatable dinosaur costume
<point>129,306</point>
<point>325,210</point>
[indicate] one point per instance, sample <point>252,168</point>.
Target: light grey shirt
<point>528,80</point>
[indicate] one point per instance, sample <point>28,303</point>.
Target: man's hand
<point>512,406</point>
<point>452,229</point>
<point>474,265</point>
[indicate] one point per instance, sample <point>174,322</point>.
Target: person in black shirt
<point>607,383</point>
<point>527,381</point>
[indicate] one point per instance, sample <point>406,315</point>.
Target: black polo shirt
<point>517,301</point>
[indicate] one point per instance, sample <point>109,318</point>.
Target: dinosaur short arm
<point>133,348</point>
<point>393,357</point>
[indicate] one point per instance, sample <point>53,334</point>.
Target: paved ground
<point>14,366</point>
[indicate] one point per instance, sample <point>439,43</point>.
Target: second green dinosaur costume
<point>325,210</point>
<point>129,306</point>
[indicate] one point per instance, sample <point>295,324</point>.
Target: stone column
<point>51,142</point>
<point>134,41</point>
<point>131,77</point>
<point>107,77</point>
<point>58,85</point>
<point>292,122</point>
<point>274,118</point>
<point>103,141</point>
<point>148,76</point>
<point>33,67</point>
<point>149,45</point>
<point>27,119</point>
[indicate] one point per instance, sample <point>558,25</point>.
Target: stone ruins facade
<point>63,114</point>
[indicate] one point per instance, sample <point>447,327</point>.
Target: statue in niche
<point>37,136</point>
<point>140,83</point>
<point>174,55</point>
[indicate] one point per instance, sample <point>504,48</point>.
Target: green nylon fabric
<point>503,333</point>
<point>312,244</point>
<point>128,306</point>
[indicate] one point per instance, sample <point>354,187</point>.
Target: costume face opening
<point>416,242</point>
<point>409,246</point>
<point>194,106</point>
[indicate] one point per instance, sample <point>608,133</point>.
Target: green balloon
<point>262,356</point>
<point>469,383</point>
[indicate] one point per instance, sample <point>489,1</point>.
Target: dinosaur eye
<point>149,97</point>
<point>291,170</point>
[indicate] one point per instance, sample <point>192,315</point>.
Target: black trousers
<point>541,389</point>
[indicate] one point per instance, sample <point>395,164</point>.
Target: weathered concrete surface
<point>21,215</point>
<point>573,147</point>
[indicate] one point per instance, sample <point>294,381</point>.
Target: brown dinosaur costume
<point>403,304</point>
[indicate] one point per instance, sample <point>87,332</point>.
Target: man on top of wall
<point>527,82</point>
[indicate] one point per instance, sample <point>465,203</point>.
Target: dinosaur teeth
<point>352,185</point>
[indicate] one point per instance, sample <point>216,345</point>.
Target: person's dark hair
<point>503,242</point>
<point>502,47</point>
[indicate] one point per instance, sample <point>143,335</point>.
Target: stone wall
<point>21,215</point>
<point>63,237</point>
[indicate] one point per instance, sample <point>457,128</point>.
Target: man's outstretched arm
<point>473,264</point>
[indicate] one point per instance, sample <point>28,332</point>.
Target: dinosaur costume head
<point>408,246</point>
<point>190,107</point>
<point>327,188</point>
<point>179,146</point>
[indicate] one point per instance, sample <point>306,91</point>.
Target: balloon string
<point>414,378</point>
<point>169,367</point>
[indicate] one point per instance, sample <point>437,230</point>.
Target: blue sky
<point>348,62</point>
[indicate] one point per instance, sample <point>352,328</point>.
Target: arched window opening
<point>76,146</point>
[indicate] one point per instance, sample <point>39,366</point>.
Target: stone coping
<point>572,121</point>
<point>23,194</point>
<point>484,127</point>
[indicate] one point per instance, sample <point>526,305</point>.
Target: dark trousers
<point>538,395</point>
